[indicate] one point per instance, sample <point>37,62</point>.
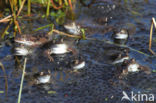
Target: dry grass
<point>151,33</point>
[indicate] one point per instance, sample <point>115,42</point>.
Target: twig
<point>21,85</point>
<point>6,19</point>
<point>17,24</point>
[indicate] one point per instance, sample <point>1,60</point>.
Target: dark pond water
<point>97,82</point>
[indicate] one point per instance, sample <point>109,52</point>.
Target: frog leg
<point>146,69</point>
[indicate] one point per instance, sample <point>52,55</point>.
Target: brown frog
<point>43,77</point>
<point>78,63</point>
<point>119,57</point>
<point>131,66</point>
<point>33,40</point>
<point>73,28</point>
<point>60,47</point>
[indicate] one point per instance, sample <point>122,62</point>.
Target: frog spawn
<point>63,48</point>
<point>27,48</point>
<point>103,11</point>
<point>56,49</point>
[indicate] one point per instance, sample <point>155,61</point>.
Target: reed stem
<point>19,3</point>
<point>48,9</point>
<point>66,2</point>
<point>29,7</point>
<point>21,85</point>
<point>5,76</point>
<point>6,29</point>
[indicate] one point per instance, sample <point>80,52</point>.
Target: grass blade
<point>21,85</point>
<point>29,7</point>
<point>48,9</point>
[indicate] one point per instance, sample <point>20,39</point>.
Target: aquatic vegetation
<point>16,11</point>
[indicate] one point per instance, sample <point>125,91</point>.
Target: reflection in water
<point>5,78</point>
